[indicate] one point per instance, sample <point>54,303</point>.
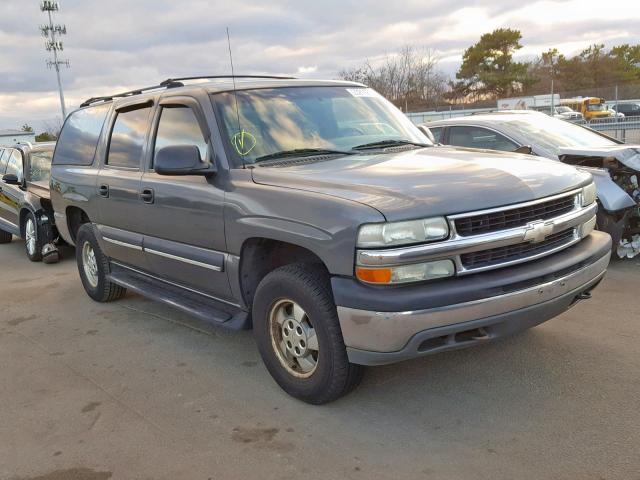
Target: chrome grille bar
<point>458,245</point>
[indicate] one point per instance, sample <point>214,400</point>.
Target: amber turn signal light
<point>374,275</point>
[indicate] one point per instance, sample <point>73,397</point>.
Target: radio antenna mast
<point>233,78</point>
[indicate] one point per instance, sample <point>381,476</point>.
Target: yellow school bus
<point>590,107</point>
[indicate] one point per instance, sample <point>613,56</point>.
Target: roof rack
<point>174,83</point>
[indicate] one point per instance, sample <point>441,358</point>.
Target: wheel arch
<point>76,217</point>
<point>261,255</point>
<point>22,217</point>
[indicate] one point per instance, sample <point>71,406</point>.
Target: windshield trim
<point>236,161</point>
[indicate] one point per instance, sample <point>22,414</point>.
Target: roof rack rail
<point>199,77</point>
<point>173,83</point>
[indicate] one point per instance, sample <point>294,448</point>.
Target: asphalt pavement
<point>135,390</point>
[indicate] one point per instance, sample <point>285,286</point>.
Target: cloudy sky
<point>121,44</point>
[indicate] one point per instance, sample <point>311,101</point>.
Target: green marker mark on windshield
<point>243,142</point>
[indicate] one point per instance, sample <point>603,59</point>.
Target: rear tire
<point>32,238</point>
<point>298,335</point>
<point>93,266</point>
<point>5,237</point>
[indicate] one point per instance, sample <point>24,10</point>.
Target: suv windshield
<point>596,107</point>
<point>281,120</point>
<point>40,168</point>
<point>551,134</point>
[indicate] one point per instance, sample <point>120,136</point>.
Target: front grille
<point>515,217</point>
<point>485,258</point>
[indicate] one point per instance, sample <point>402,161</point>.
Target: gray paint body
<point>193,232</point>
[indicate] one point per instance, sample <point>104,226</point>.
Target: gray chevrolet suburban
<point>316,213</point>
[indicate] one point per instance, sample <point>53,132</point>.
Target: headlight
<point>589,194</point>
<point>402,233</point>
<point>416,272</point>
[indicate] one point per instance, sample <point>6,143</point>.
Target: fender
<point>611,196</point>
<point>286,230</point>
<point>44,220</point>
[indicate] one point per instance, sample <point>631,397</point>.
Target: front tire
<point>298,335</point>
<point>32,238</point>
<point>93,266</point>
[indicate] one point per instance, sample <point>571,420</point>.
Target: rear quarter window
<point>4,155</point>
<point>437,133</point>
<point>80,135</point>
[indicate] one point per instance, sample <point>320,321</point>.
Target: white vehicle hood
<point>628,155</point>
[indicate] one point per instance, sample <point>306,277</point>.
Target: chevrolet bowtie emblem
<point>537,231</point>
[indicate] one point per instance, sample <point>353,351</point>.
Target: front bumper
<point>489,306</point>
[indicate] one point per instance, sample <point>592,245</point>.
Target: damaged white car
<point>615,166</point>
<point>615,170</point>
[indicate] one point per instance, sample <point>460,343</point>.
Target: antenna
<point>233,77</point>
<point>239,137</point>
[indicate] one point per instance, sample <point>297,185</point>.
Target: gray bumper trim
<point>391,331</point>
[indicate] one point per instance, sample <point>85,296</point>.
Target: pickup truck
<point>317,214</point>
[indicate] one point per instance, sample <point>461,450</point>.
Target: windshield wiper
<point>302,152</point>
<point>389,143</point>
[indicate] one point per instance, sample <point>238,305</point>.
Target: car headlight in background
<point>374,235</point>
<point>589,194</point>
<point>416,272</point>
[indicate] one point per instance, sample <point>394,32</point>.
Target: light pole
<point>52,45</point>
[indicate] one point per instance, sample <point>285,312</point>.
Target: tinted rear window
<point>79,136</point>
<point>127,138</point>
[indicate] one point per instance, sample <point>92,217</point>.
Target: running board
<point>198,305</point>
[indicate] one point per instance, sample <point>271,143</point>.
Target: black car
<point>25,208</point>
<point>629,109</point>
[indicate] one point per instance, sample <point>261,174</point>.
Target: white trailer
<point>534,102</point>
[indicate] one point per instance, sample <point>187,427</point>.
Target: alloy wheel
<point>30,237</point>
<point>293,338</point>
<point>90,265</point>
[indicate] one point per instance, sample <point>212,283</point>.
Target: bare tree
<point>53,126</point>
<point>409,78</point>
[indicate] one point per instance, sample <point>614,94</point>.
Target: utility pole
<point>49,32</point>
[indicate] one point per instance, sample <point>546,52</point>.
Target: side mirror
<point>526,149</point>
<point>427,133</point>
<point>11,179</point>
<point>181,160</point>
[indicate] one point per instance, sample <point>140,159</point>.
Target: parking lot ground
<point>134,390</point>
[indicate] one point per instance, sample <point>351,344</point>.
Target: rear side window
<point>437,133</point>
<point>179,126</point>
<point>3,160</point>
<point>476,137</point>
<point>40,166</point>
<point>127,138</point>
<point>79,136</point>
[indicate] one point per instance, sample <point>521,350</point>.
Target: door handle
<point>103,191</point>
<point>146,195</point>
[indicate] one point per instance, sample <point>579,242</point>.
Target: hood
<point>429,181</point>
<point>626,154</point>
